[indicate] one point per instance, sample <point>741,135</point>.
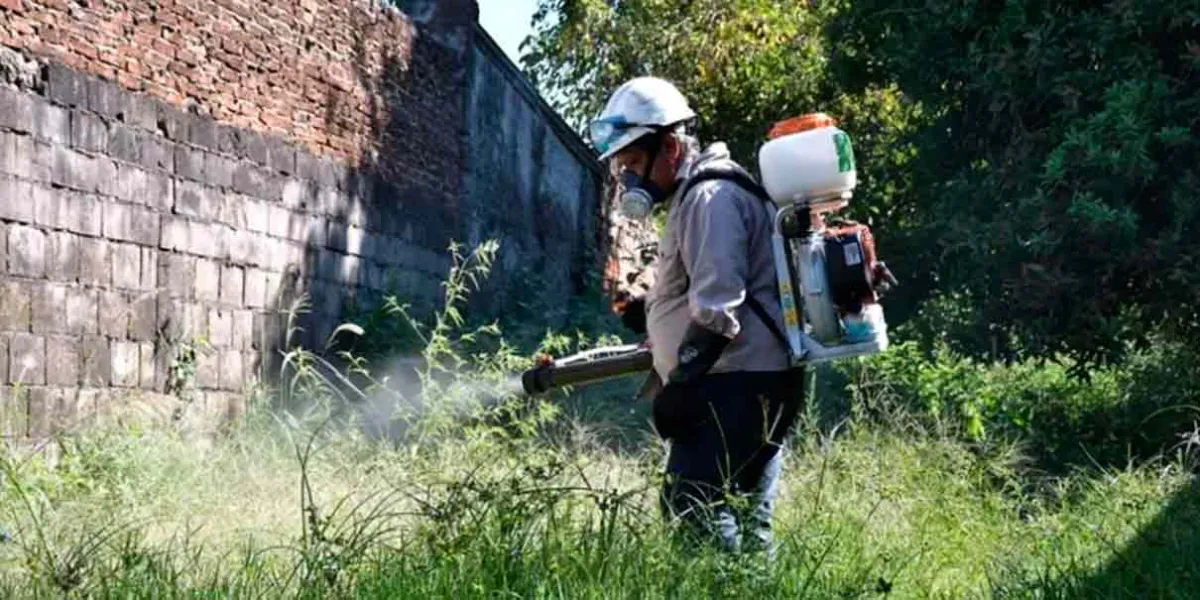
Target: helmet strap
<point>658,193</point>
<point>658,140</point>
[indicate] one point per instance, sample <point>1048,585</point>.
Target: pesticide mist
<point>403,396</point>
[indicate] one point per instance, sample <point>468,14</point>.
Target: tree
<point>1058,176</point>
<point>1031,166</point>
<point>744,64</point>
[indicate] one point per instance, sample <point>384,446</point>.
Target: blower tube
<point>586,368</point>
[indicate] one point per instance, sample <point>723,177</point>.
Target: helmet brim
<point>623,141</point>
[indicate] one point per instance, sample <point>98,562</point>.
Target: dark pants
<point>723,470</point>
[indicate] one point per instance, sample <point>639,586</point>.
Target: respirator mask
<point>639,194</point>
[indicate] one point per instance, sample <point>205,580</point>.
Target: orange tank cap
<point>800,124</point>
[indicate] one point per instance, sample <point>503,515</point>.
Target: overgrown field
<point>914,475</point>
<point>866,513</point>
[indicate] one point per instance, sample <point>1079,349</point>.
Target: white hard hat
<point>639,107</point>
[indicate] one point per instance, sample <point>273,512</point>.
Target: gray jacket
<point>715,250</point>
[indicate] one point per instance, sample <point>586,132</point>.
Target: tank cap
<point>801,124</point>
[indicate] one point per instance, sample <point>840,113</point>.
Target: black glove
<point>677,408</point>
<point>699,351</point>
<point>633,315</point>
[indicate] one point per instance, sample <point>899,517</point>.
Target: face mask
<point>638,194</point>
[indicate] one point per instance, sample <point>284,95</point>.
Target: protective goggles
<point>608,131</point>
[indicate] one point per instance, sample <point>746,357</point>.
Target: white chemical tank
<point>807,160</point>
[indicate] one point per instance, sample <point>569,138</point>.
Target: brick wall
<point>352,81</point>
<point>132,229</point>
<point>295,68</point>
<point>176,174</point>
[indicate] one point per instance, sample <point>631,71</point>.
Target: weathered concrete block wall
<point>532,184</point>
<point>176,174</point>
<point>133,230</point>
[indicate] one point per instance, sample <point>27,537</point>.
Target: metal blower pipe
<point>573,371</point>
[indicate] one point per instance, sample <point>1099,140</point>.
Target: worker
<point>712,315</point>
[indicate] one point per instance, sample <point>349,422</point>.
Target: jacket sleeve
<point>713,245</point>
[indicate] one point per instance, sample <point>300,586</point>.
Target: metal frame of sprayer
<point>805,349</point>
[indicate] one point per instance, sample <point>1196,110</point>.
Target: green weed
<point>481,493</point>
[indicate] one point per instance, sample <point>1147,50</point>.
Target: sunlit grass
<point>486,495</point>
<point>873,513</point>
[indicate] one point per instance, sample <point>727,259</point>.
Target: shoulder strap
<point>745,181</point>
<point>752,186</point>
<point>758,309</point>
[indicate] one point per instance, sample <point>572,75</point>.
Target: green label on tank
<point>845,152</point>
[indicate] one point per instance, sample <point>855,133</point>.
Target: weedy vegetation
<point>912,475</point>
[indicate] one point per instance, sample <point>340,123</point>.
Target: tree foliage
<point>744,64</point>
<point>1059,179</point>
<point>1033,164</point>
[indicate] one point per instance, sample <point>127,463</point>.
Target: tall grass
<point>474,492</point>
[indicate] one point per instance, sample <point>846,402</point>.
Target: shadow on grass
<point>1159,562</point>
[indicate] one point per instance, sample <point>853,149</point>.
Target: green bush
<point>1056,180</point>
<point>485,499</point>
<point>1143,408</point>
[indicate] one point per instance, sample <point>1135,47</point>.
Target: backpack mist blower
<point>830,277</point>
